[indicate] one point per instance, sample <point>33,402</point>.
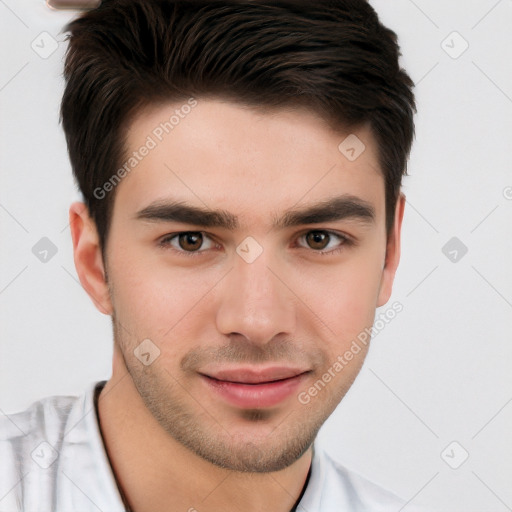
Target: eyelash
<point>164,242</point>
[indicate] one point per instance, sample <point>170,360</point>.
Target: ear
<point>87,256</point>
<point>392,253</point>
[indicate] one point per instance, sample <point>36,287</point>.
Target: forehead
<point>210,152</point>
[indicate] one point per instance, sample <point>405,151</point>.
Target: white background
<point>438,373</point>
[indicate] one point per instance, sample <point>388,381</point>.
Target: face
<point>250,252</point>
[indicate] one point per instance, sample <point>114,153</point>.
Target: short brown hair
<point>333,57</point>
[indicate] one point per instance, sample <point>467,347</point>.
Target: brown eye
<point>317,239</point>
<point>190,241</point>
<point>325,242</point>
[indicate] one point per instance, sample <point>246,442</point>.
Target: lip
<point>252,375</point>
<point>254,388</point>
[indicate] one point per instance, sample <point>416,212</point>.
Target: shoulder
<point>335,487</point>
<point>47,450</point>
<point>52,409</point>
<point>25,435</point>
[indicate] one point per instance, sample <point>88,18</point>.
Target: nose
<point>256,302</point>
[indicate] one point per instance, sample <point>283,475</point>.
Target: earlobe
<point>87,257</point>
<point>392,254</point>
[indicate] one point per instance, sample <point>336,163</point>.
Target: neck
<point>156,473</point>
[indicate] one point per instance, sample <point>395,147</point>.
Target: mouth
<point>254,388</point>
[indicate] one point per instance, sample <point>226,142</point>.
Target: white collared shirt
<point>52,459</point>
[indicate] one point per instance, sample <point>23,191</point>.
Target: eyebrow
<point>338,208</point>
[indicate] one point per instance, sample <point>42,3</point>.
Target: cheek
<point>345,296</point>
<point>156,300</point>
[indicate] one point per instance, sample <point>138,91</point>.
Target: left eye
<point>320,240</point>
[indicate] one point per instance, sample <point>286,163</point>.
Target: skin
<point>173,443</point>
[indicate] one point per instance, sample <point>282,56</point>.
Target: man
<point>241,165</point>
